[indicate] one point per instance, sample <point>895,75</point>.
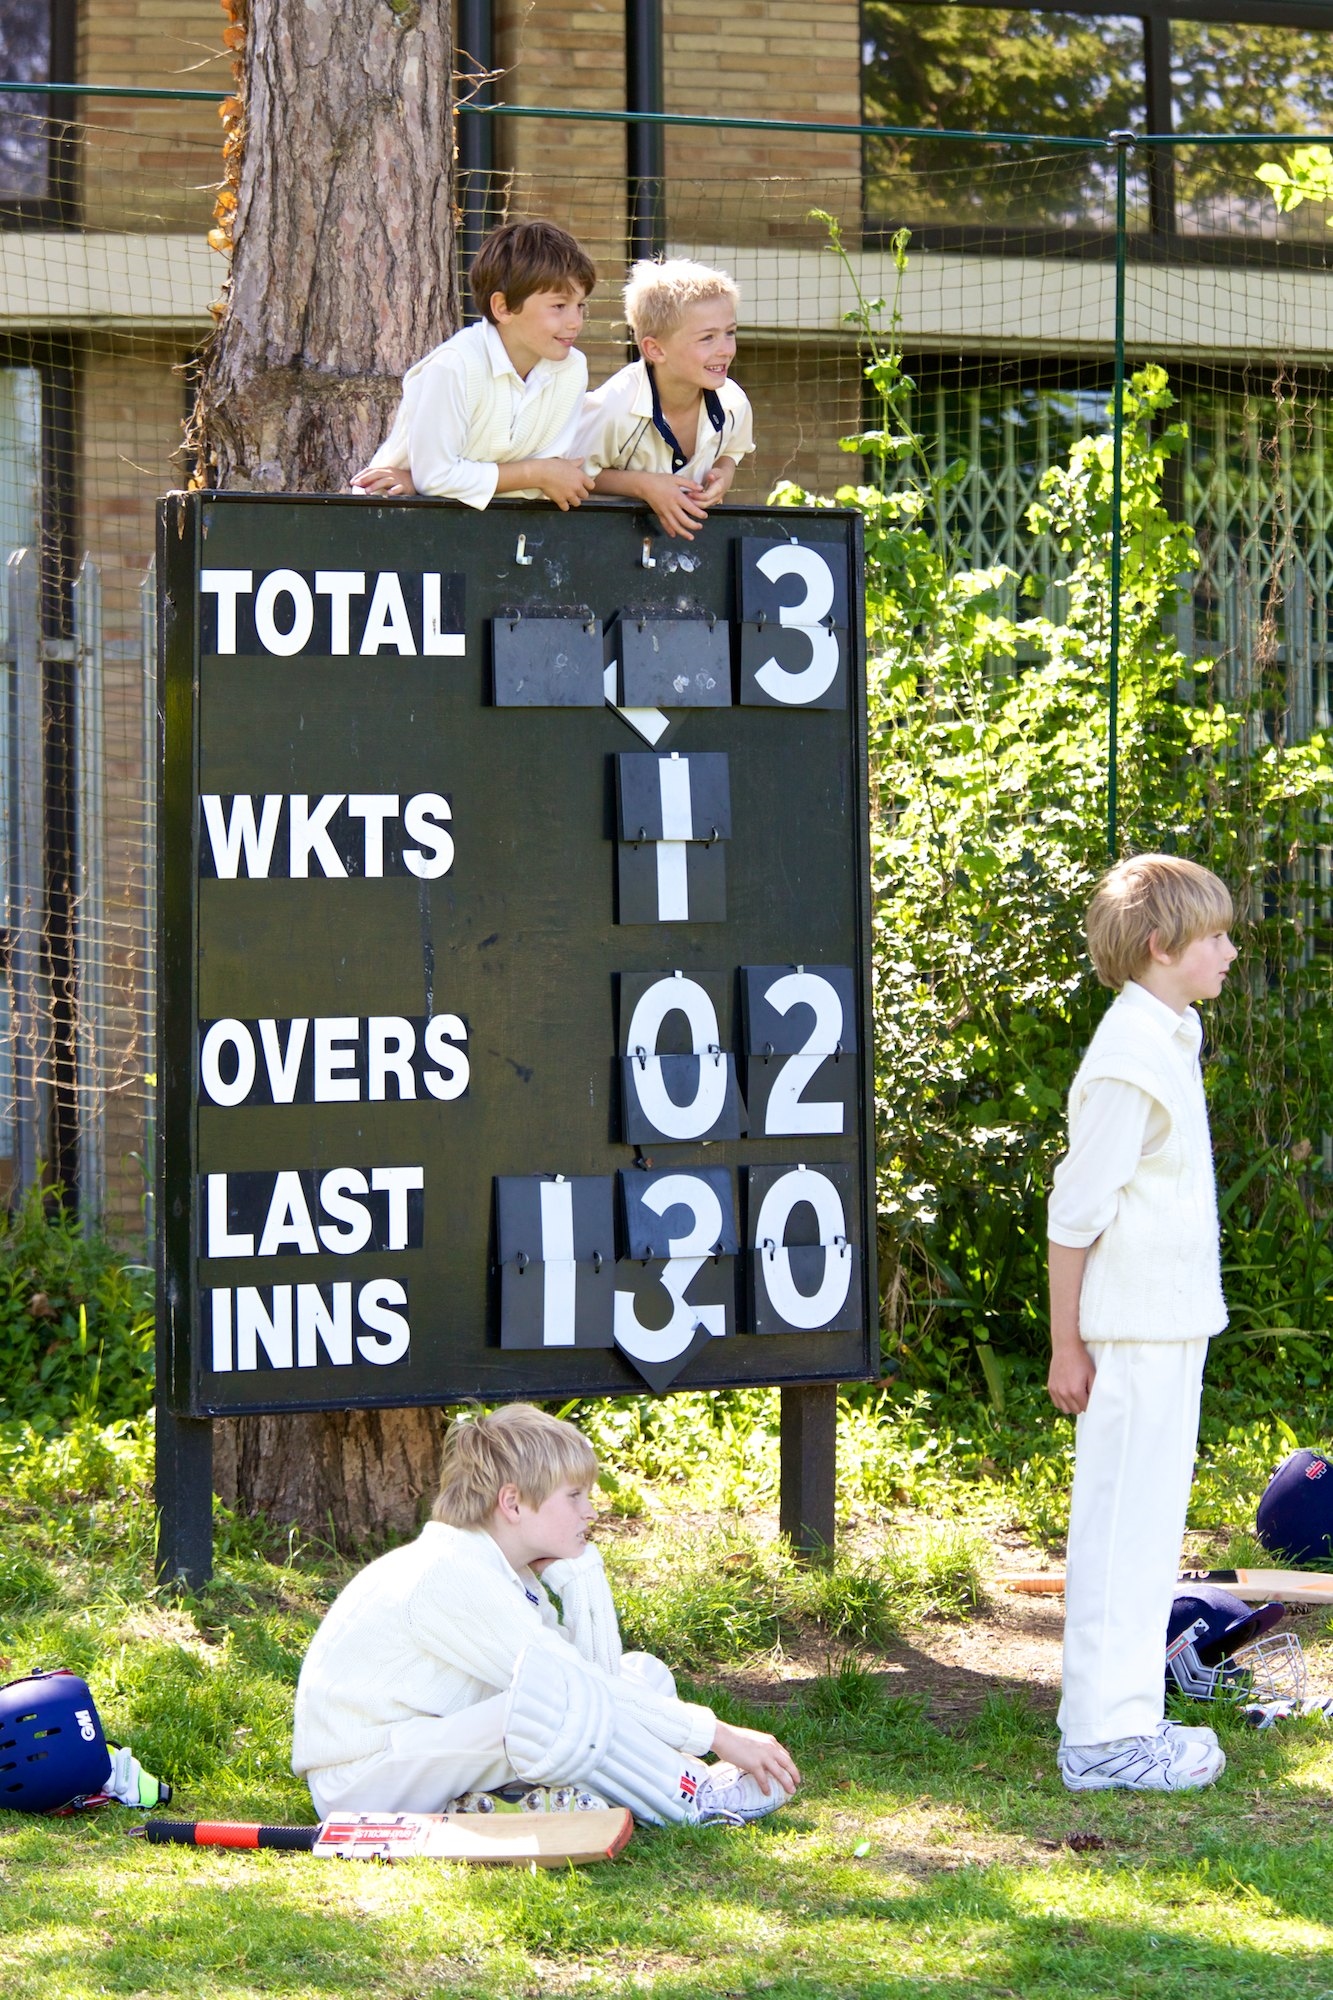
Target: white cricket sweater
<point>1155,1272</point>
<point>437,1626</point>
<point>466,410</point>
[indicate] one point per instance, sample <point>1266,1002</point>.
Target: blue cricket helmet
<point>1295,1517</point>
<point>52,1749</point>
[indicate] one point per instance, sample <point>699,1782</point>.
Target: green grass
<point>915,1860</point>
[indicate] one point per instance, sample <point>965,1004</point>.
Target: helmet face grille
<point>1267,1670</point>
<point>1271,1669</point>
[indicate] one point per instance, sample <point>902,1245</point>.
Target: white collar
<point>502,361</point>
<point>1188,1025</point>
<point>485,1549</point>
<point>642,403</point>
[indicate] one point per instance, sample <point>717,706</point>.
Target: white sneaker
<point>730,1797</point>
<point>1172,1759</point>
<point>1198,1731</point>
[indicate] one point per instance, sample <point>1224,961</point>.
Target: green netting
<point>1009,333</point>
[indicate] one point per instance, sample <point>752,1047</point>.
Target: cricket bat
<point>1252,1586</point>
<point>522,1839</point>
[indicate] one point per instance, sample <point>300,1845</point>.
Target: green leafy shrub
<point>76,1321</point>
<point>990,774</point>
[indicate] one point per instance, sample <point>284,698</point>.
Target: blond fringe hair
<point>1177,899</point>
<point>518,1446</point>
<point>658,295</point>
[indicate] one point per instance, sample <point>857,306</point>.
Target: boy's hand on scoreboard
<point>390,480</point>
<point>755,1751</point>
<point>562,480</point>
<point>717,482</point>
<point>677,502</point>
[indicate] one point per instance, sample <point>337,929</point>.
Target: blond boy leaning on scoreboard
<point>671,428</point>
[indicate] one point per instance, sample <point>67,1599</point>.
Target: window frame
<point>56,206</point>
<point>1008,239</point>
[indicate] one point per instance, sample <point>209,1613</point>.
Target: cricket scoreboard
<point>515,1033</point>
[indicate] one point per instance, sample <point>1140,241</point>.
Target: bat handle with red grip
<point>227,1833</point>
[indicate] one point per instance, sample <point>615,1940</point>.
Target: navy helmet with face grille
<point>52,1749</point>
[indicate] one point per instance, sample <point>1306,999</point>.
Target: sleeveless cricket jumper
<point>466,410</point>
<point>1150,1301</point>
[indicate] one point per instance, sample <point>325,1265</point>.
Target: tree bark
<point>337,207</point>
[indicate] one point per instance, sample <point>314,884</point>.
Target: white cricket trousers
<point>1133,1468</point>
<point>431,1759</point>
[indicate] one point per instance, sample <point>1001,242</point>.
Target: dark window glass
<point>25,57</point>
<point>992,69</point>
<point>1231,76</point>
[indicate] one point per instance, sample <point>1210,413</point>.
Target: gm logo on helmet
<point>87,1728</point>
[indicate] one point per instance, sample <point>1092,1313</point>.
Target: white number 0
<point>672,1120</point>
<point>804,1310</point>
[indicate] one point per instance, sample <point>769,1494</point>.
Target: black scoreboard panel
<point>515,1032</point>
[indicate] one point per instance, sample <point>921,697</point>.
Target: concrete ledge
<point>103,278</point>
<point>1043,305</point>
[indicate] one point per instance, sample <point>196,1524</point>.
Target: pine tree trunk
<point>338,209</point>
<point>338,205</point>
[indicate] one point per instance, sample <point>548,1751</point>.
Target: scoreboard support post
<point>183,1493</point>
<point>807,1483</point>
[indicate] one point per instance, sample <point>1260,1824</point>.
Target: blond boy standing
<point>671,428</point>
<point>1136,1294</point>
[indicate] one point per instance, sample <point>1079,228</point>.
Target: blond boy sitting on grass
<point>444,1670</point>
<point>671,428</point>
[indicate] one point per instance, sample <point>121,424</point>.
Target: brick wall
<point>144,164</point>
<point>778,58</point>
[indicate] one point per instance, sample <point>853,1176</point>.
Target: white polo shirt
<point>466,411</point>
<point>623,429</point>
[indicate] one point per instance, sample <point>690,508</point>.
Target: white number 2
<point>786,1112</point>
<point>688,1254</point>
<point>778,682</point>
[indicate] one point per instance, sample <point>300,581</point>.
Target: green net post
<point>1122,141</point>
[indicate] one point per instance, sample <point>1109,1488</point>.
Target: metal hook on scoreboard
<point>769,1249</point>
<point>715,1051</point>
<point>521,556</point>
<point>646,559</point>
<point>841,1245</point>
<point>641,1057</point>
<point>521,1262</point>
<point>597,1262</point>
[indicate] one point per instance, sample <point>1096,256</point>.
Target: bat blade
<point>1252,1586</point>
<point>1257,1586</point>
<point>512,1839</point>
